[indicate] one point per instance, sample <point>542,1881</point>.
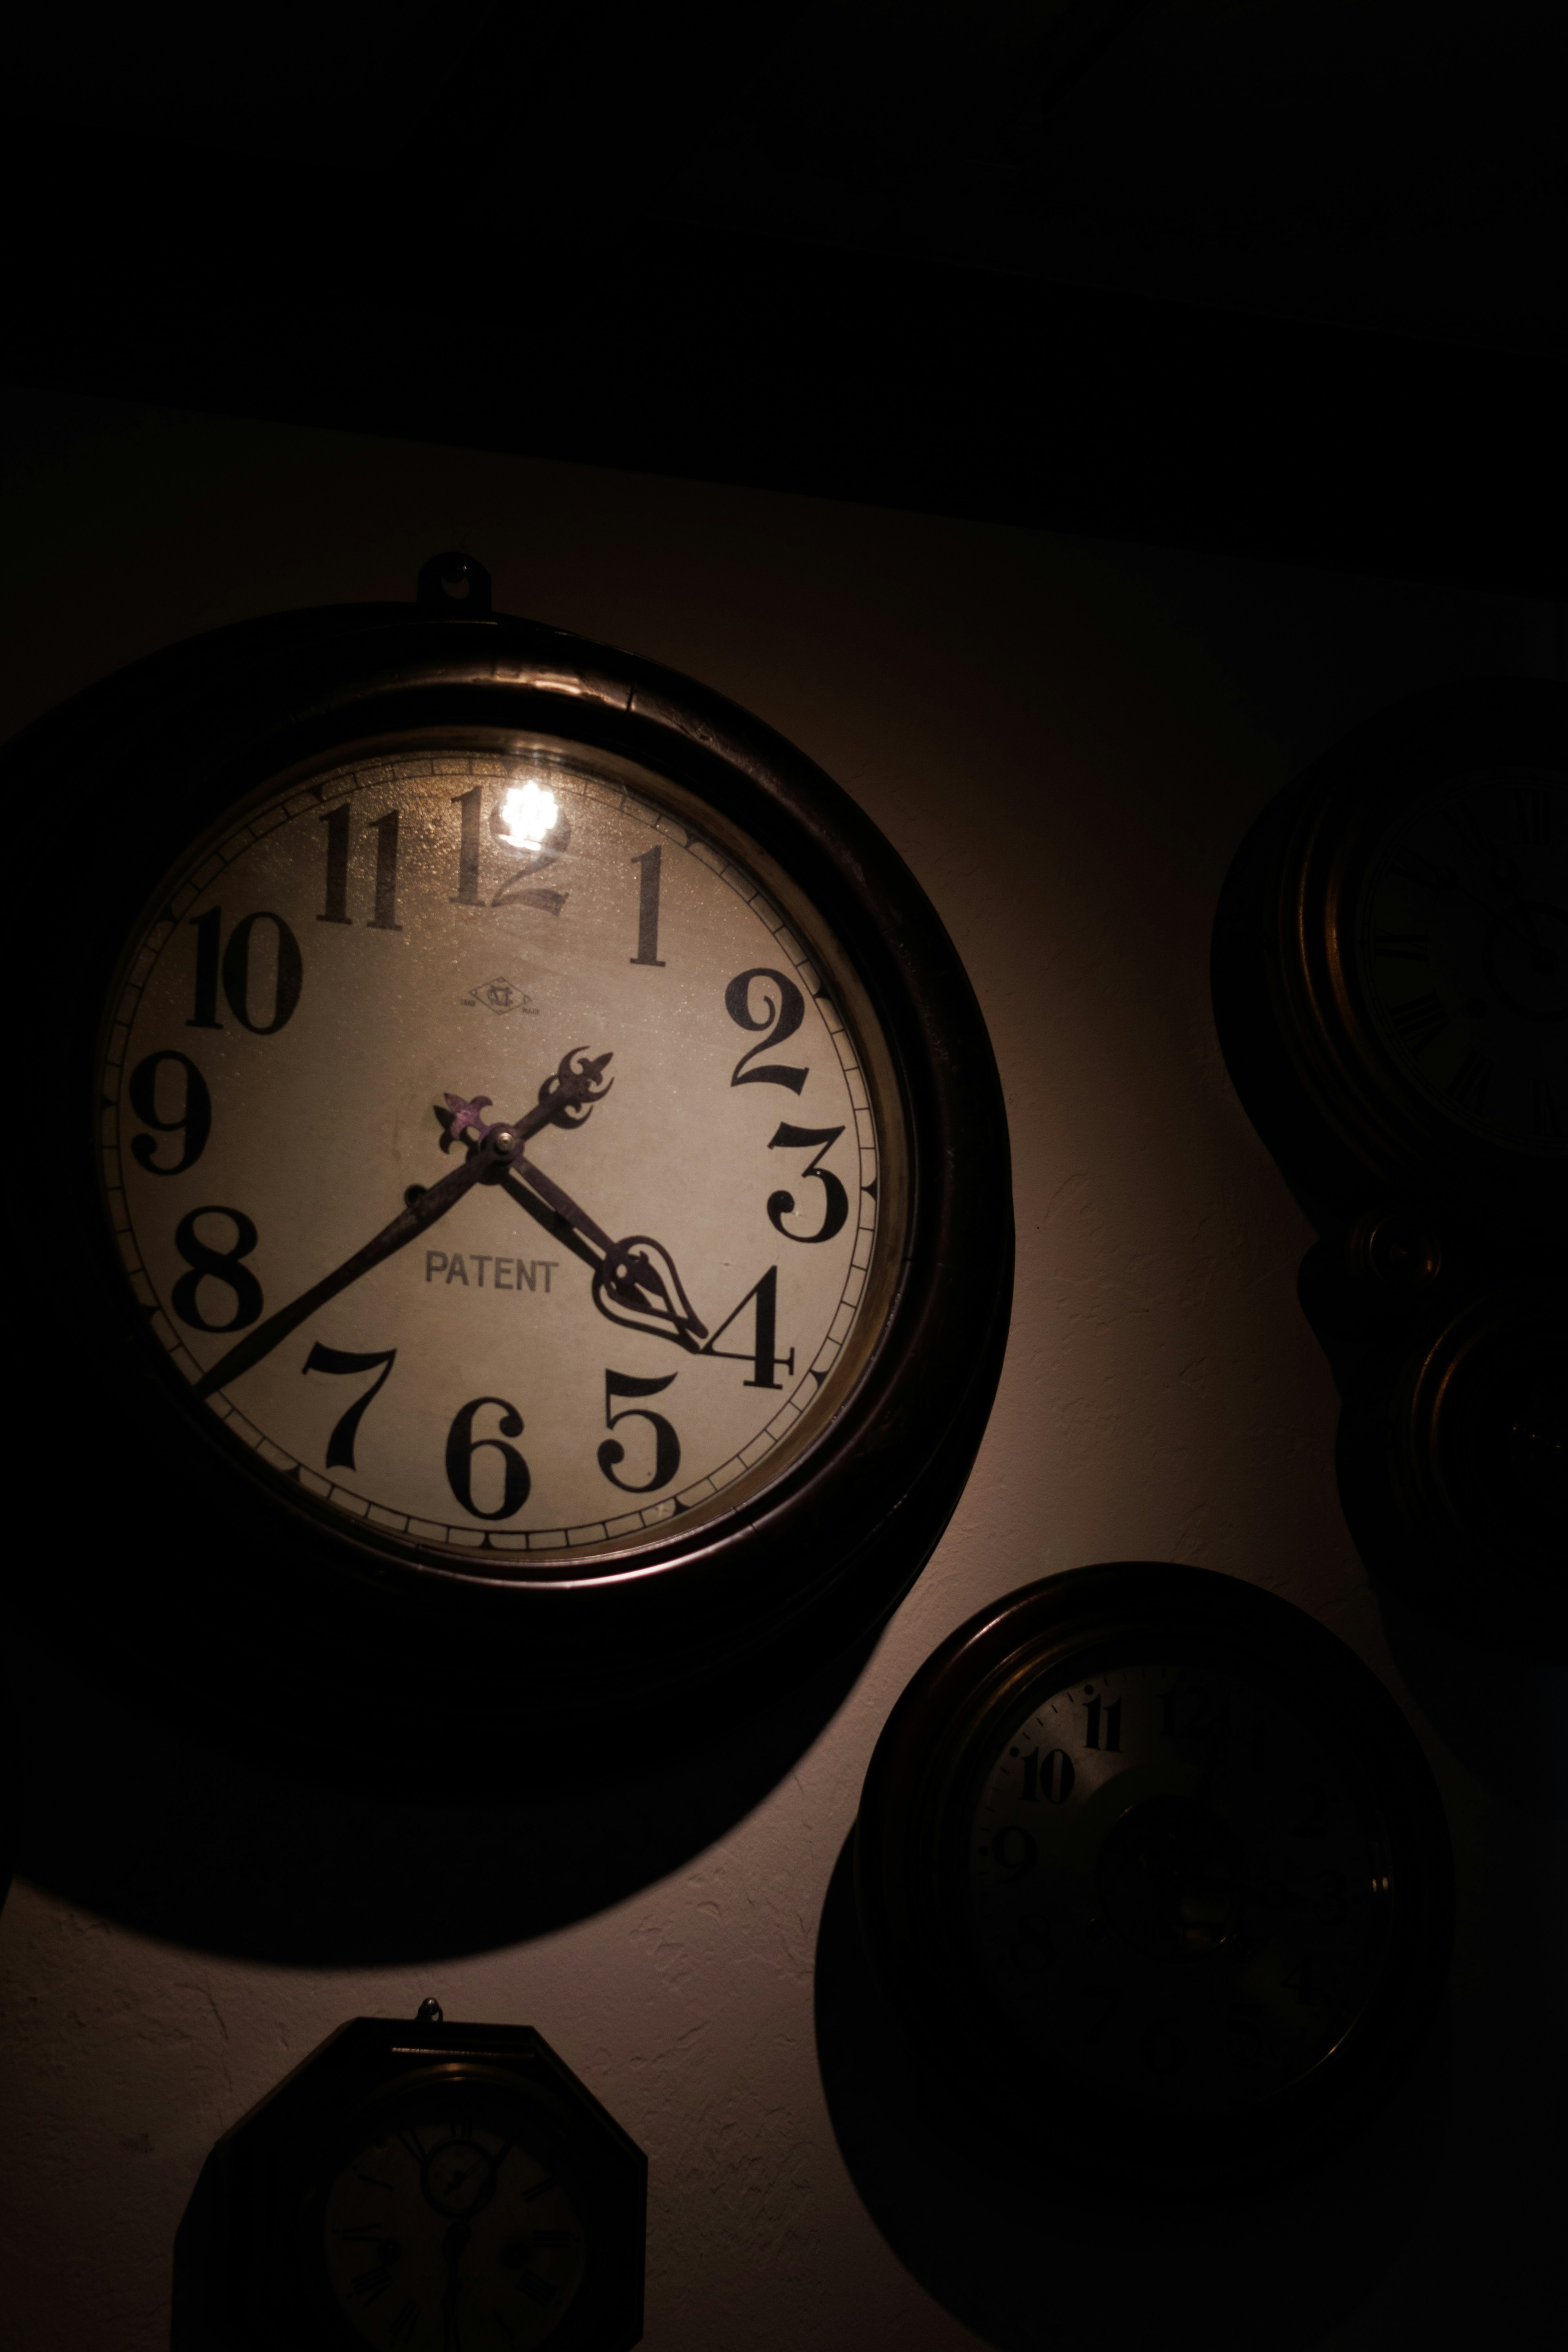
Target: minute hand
<point>551,1193</point>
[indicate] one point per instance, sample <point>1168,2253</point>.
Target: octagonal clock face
<point>449,2230</point>
<point>1461,948</point>
<point>379,971</point>
<point>1177,1886</point>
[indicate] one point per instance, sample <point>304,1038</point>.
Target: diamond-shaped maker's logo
<point>500,995</point>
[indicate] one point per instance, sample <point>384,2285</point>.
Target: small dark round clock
<point>418,2187</point>
<point>535,1171</point>
<point>1453,1460</point>
<point>1155,1876</point>
<point>1391,958</point>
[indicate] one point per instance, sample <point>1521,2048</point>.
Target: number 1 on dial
<point>647,909</point>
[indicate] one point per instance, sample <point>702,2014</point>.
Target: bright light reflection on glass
<point>528,812</point>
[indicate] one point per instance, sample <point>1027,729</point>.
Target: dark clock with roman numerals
<point>548,1224</point>
<point>1391,958</point>
<point>418,2188</point>
<point>1155,1876</point>
<point>1391,991</point>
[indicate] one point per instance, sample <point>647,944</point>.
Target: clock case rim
<point>815,1563</point>
<point>927,1770</point>
<point>1319,1086</point>
<point>245,2259</point>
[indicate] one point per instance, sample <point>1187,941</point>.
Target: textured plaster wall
<point>1066,738</point>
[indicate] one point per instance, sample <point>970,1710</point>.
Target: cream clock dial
<point>445,2231</point>
<point>660,1112</point>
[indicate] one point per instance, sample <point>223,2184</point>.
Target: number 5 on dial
<point>667,1446</point>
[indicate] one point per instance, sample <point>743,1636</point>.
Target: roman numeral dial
<point>1461,958</point>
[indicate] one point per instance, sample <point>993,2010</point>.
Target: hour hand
<point>637,1284</point>
<point>635,1281</point>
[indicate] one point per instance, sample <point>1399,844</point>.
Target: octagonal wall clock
<point>418,2187</point>
<point>535,1173</point>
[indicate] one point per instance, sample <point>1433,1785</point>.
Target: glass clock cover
<point>338,998</point>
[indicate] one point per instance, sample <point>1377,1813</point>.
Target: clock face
<point>1152,1873</point>
<point>1176,1887</point>
<point>450,2231</point>
<point>1461,946</point>
<point>639,1314</point>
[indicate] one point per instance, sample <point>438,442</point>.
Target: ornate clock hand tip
<point>639,1275</point>
<point>575,1089</point>
<point>468,1118</point>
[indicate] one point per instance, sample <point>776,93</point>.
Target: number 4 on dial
<point>764,1358</point>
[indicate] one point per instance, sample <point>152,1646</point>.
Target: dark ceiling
<point>1280,275</point>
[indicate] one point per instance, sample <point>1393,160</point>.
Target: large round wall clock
<point>535,1173</point>
<point>1390,958</point>
<point>1154,1875</point>
<point>424,2186</point>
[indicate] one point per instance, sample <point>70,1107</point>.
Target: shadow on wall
<point>10,1796</point>
<point>1001,2248</point>
<point>1455,1679</point>
<point>225,1850</point>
